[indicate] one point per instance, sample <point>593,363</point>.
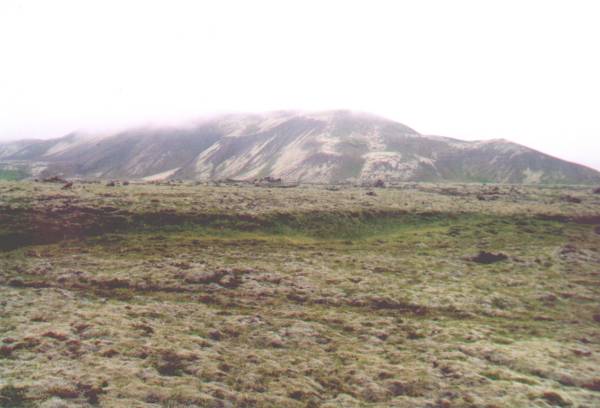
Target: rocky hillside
<point>321,147</point>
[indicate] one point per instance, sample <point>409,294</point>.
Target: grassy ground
<point>185,295</point>
<point>11,175</point>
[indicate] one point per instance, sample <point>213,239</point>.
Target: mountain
<point>319,147</point>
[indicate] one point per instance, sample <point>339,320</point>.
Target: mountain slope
<point>321,147</point>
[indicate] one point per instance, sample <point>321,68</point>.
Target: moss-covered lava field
<point>186,295</point>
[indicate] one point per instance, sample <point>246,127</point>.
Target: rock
<point>379,184</point>
<point>548,298</point>
<point>54,179</point>
<point>484,197</point>
<point>484,257</point>
<point>297,394</point>
<point>276,342</point>
<point>270,179</point>
<point>215,335</point>
<point>67,186</point>
<point>371,193</point>
<point>111,184</point>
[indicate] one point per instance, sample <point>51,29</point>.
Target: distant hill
<point>318,147</point>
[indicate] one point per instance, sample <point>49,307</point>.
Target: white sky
<point>525,70</point>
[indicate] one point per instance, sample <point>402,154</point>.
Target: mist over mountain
<point>316,147</point>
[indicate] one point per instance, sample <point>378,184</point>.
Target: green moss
<point>12,175</point>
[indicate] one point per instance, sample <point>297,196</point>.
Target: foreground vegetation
<point>183,295</point>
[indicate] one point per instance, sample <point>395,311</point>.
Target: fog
<point>526,71</point>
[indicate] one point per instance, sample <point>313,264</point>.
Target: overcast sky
<point>528,71</point>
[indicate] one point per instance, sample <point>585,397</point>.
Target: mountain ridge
<point>319,147</point>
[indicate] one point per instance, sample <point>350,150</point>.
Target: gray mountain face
<point>321,147</point>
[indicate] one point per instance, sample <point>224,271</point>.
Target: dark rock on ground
<point>484,257</point>
<point>54,179</point>
<point>486,197</point>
